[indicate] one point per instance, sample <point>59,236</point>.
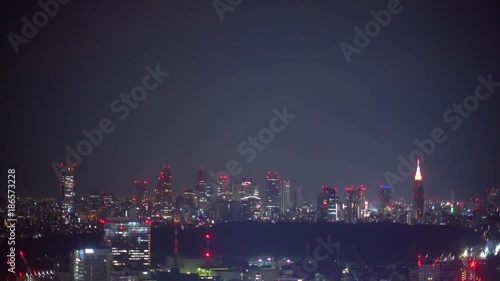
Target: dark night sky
<point>353,120</point>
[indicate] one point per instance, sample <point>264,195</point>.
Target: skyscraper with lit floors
<point>163,201</point>
<point>418,194</point>
<point>67,184</point>
<point>130,242</point>
<point>91,264</point>
<point>273,194</point>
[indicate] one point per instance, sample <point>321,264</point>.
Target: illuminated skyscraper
<point>91,265</point>
<point>94,203</point>
<point>328,201</point>
<point>130,242</point>
<point>201,191</point>
<point>141,193</point>
<point>222,188</point>
<point>248,188</point>
<point>67,185</point>
<point>356,202</point>
<point>273,193</point>
<point>418,194</point>
<point>362,203</point>
<point>384,197</point>
<point>286,196</point>
<point>163,195</point>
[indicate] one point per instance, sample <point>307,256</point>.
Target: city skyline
<point>152,185</point>
<point>352,120</point>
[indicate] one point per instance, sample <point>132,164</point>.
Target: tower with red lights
<point>222,190</point>
<point>356,203</point>
<point>418,194</point>
<point>141,192</point>
<point>67,185</point>
<point>273,193</point>
<point>163,194</point>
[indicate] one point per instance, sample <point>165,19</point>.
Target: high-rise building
<point>200,190</point>
<point>94,203</point>
<point>91,265</point>
<point>384,197</point>
<point>298,197</point>
<point>67,185</point>
<point>286,196</point>
<point>273,193</point>
<point>328,202</point>
<point>248,188</point>
<point>251,207</point>
<point>130,242</point>
<point>362,203</point>
<point>356,203</point>
<point>163,195</point>
<point>141,193</point>
<point>222,188</point>
<point>418,194</point>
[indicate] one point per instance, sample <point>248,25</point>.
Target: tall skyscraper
<point>328,201</point>
<point>163,195</point>
<point>202,193</point>
<point>362,203</point>
<point>67,185</point>
<point>141,192</point>
<point>130,242</point>
<point>356,202</point>
<point>384,197</point>
<point>418,194</point>
<point>222,188</point>
<point>94,203</point>
<point>286,196</point>
<point>91,265</point>
<point>273,193</point>
<point>298,197</point>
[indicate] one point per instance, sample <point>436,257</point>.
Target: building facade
<point>91,265</point>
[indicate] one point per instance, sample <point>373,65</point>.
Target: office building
<point>94,203</point>
<point>67,184</point>
<point>130,242</point>
<point>91,265</point>
<point>384,199</point>
<point>248,188</point>
<point>273,194</point>
<point>141,193</point>
<point>286,196</point>
<point>163,201</point>
<point>328,204</point>
<point>357,206</point>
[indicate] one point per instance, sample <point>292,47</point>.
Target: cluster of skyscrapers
<point>226,201</point>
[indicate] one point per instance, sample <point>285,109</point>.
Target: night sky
<point>352,120</point>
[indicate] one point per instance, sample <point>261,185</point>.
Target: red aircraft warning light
<point>207,254</point>
<point>207,236</point>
